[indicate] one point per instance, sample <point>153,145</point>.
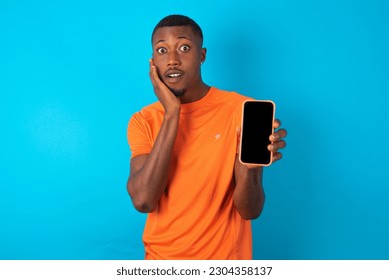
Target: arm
<point>249,196</point>
<point>149,173</point>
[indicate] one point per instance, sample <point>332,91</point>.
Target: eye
<point>161,50</point>
<point>184,48</point>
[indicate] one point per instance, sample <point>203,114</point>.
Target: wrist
<point>172,114</point>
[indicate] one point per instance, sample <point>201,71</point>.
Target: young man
<point>185,170</point>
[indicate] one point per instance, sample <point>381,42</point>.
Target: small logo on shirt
<point>217,136</point>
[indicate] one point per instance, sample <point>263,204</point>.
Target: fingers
<point>155,80</point>
<point>274,147</point>
<point>169,101</point>
<point>277,142</point>
<point>276,156</point>
<point>276,124</point>
<point>153,73</point>
<point>281,133</point>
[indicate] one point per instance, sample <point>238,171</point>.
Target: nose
<point>173,59</point>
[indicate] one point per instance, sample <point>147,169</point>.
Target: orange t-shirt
<point>196,217</point>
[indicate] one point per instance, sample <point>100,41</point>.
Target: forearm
<point>249,196</point>
<point>147,184</point>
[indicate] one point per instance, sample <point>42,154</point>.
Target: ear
<point>203,55</point>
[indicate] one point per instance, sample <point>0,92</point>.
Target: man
<point>185,170</point>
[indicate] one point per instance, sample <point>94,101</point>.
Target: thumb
<point>238,135</point>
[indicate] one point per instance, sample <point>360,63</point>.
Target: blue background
<point>73,72</point>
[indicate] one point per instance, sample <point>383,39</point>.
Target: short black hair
<point>178,20</point>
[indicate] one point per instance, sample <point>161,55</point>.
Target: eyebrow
<point>180,37</point>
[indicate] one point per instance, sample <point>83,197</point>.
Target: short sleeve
<point>238,111</point>
<point>137,136</point>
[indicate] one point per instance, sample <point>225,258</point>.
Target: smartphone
<point>257,126</point>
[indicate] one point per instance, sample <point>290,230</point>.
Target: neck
<point>195,93</point>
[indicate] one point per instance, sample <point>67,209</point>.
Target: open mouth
<point>174,75</point>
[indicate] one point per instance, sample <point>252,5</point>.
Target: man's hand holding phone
<point>259,143</point>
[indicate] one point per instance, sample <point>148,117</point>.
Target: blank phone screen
<point>256,128</point>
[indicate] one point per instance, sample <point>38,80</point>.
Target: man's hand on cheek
<point>169,101</point>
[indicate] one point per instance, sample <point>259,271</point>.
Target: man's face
<point>178,54</point>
